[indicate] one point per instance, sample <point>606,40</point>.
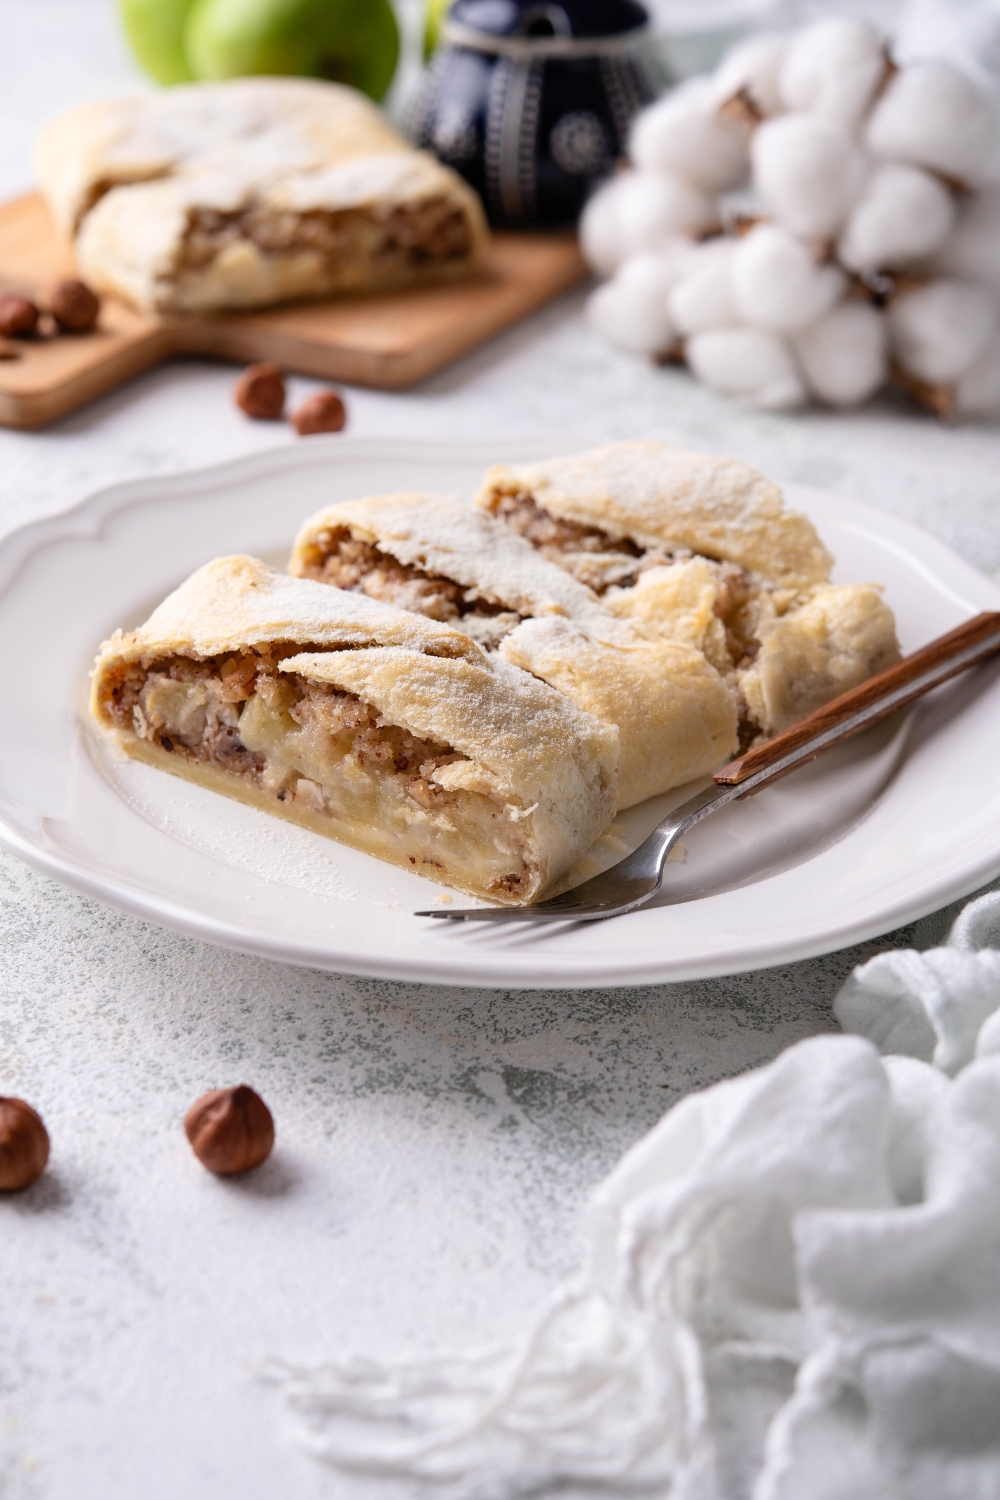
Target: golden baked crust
<point>658,496</point>
<point>288,124</point>
<point>444,535</point>
<point>785,653</point>
<point>677,716</point>
<point>383,729</point>
<point>700,551</point>
<point>837,637</point>
<point>250,192</point>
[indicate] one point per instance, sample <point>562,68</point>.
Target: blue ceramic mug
<point>531,101</point>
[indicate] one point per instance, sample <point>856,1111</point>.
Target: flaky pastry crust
<point>677,716</point>
<point>384,729</point>
<point>700,550</point>
<point>249,192</point>
<point>660,496</point>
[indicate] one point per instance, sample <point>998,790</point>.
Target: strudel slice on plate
<point>392,732</point>
<point>251,192</point>
<point>700,549</point>
<point>442,558</point>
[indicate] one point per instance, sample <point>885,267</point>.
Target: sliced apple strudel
<point>390,731</point>
<point>251,192</point>
<point>440,557</point>
<point>701,550</point>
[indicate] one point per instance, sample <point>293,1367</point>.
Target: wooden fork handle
<point>982,631</point>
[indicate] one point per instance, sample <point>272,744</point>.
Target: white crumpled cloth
<point>793,1288</point>
<point>942,1006</point>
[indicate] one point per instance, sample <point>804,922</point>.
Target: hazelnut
<point>260,392</point>
<point>230,1130</point>
<point>74,306</point>
<point>18,316</point>
<point>324,412</point>
<point>24,1145</point>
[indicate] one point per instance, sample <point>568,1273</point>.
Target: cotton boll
<point>630,310</point>
<point>753,66</point>
<point>938,331</point>
<point>904,214</point>
<point>600,230</point>
<point>703,297</point>
<point>972,250</point>
<point>833,68</point>
<point>844,356</point>
<point>977,392</point>
<point>640,211</point>
<point>808,171</point>
<point>777,283</point>
<point>748,363</point>
<point>934,116</point>
<point>684,133</point>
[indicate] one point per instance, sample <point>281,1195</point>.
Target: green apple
<point>349,41</point>
<point>155,29</point>
<point>435,15</point>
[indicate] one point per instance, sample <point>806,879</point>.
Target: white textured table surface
<point>434,1145</point>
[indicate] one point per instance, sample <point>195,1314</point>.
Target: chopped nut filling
<point>610,564</point>
<point>590,554</point>
<point>197,708</point>
<point>603,562</point>
<point>351,563</point>
<point>734,601</point>
<point>360,566</point>
<point>325,753</point>
<point>434,232</point>
<point>524,516</point>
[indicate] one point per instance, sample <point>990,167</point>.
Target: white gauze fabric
<point>943,1005</point>
<point>793,1289</point>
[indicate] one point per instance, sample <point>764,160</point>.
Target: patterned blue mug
<point>532,102</point>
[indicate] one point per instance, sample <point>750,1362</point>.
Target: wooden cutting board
<point>388,340</point>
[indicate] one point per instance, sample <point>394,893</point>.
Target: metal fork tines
<point>638,876</point>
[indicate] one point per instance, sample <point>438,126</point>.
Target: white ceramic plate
<point>884,830</point>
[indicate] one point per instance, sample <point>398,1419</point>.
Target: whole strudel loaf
<point>251,192</point>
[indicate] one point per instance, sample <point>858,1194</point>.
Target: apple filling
<point>351,563</point>
<point>319,756</point>
<point>349,242</point>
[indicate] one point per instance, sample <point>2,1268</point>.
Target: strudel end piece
<point>383,729</point>
<point>251,192</point>
<point>442,558</point>
<point>604,513</point>
<point>700,550</point>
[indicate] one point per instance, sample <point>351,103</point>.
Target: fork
<point>638,877</point>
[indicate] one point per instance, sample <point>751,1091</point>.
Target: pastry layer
<point>438,556</point>
<point>630,499</point>
<point>700,551</point>
<point>363,723</point>
<point>250,192</point>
